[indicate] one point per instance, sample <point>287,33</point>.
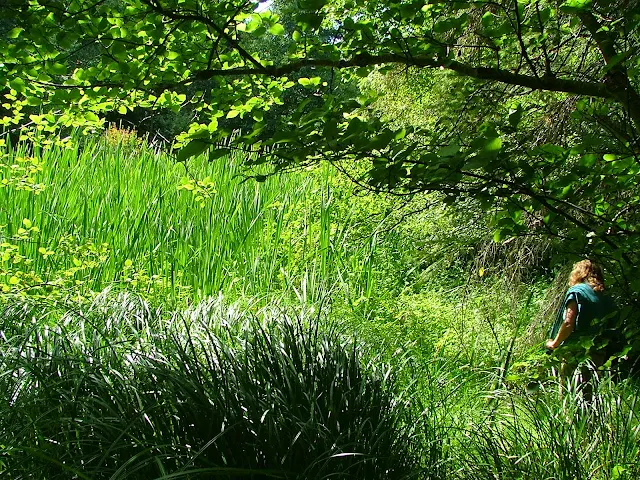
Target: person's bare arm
<point>567,327</point>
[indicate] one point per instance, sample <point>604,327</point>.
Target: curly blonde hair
<point>589,272</point>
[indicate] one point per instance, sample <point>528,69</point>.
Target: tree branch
<point>591,89</point>
<point>622,90</point>
<point>154,5</point>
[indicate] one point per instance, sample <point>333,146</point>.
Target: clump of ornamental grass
<point>120,390</point>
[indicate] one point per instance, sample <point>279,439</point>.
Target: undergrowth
<point>163,320</point>
<point>118,390</point>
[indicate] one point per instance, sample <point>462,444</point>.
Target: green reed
<point>239,237</point>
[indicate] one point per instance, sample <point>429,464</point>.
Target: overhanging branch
<point>590,89</point>
<point>192,17</point>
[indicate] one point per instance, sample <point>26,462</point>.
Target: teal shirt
<point>591,306</point>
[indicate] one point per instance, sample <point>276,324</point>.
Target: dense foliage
<point>146,304</point>
<point>125,213</point>
<point>544,107</point>
<point>421,287</point>
<point>118,391</point>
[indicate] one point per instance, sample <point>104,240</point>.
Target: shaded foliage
<point>116,391</point>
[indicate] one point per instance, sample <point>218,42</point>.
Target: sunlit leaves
<point>72,262</point>
<point>23,173</point>
<point>94,62</point>
<point>310,82</point>
<point>201,190</point>
<point>573,6</point>
<point>15,32</point>
<point>18,84</point>
<point>492,145</point>
<point>276,29</point>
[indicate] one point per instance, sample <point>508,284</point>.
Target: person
<point>584,303</point>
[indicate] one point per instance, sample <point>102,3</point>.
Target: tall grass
<point>122,391</point>
<point>566,436</point>
<point>112,387</point>
<point>241,236</point>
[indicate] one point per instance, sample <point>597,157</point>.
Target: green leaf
<point>515,115</point>
<point>58,69</point>
<point>586,342</point>
<point>254,24</point>
<point>330,131</point>
<point>446,25</point>
<point>80,74</point>
<point>201,134</point>
<point>449,150</point>
<point>276,29</point>
<point>18,85</point>
<point>217,153</point>
<point>493,145</point>
<point>192,149</point>
<point>576,6</point>
<point>498,236</point>
<point>617,472</point>
<point>400,134</point>
<point>309,82</point>
<point>15,32</point>
<point>588,160</point>
<point>487,19</point>
<point>213,125</point>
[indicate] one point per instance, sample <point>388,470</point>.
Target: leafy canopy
<point>540,123</point>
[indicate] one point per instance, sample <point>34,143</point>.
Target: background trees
<point>534,108</point>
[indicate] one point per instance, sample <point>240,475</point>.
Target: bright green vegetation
<point>530,108</point>
<point>115,211</point>
<point>243,306</point>
<point>178,320</point>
